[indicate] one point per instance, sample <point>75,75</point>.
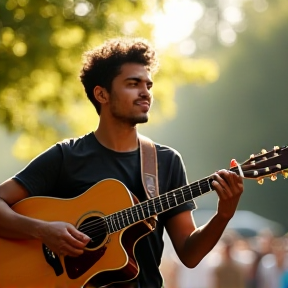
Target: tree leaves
<point>41,97</point>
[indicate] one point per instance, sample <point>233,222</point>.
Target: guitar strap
<point>149,167</point>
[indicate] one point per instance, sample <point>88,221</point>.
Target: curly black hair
<point>102,64</point>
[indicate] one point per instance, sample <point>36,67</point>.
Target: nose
<point>145,92</point>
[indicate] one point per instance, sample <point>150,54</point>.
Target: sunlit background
<point>221,93</point>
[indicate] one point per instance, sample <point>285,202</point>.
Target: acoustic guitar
<point>115,221</point>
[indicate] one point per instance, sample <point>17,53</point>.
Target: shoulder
<point>166,149</point>
<point>160,148</point>
<point>167,153</point>
<point>163,151</point>
<point>80,146</point>
<point>76,142</point>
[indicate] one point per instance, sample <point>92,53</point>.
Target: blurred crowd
<point>260,261</point>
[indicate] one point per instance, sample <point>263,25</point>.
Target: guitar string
<point>93,226</point>
<point>187,188</point>
<point>150,204</point>
<point>86,225</point>
<point>99,232</point>
<point>118,217</point>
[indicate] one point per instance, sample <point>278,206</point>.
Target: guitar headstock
<point>266,164</point>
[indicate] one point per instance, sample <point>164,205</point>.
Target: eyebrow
<point>137,79</point>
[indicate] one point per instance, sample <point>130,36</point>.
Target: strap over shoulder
<point>149,166</point>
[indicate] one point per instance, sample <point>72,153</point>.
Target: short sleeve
<point>40,176</point>
<point>176,177</point>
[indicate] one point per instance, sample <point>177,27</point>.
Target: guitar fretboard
<point>141,211</point>
<point>144,210</point>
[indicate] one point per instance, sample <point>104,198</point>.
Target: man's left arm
<point>192,244</point>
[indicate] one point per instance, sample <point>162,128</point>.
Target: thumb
<point>79,235</point>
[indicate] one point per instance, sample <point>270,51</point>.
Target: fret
<point>147,215</point>
<point>182,192</point>
<point>157,205</point>
<point>154,200</point>
<point>154,206</point>
<point>204,186</point>
<point>142,211</point>
<point>179,195</point>
<point>160,202</point>
<point>172,200</point>
<point>175,197</point>
<point>199,187</point>
<point>137,213</point>
<point>132,215</point>
<point>167,200</point>
<point>108,223</point>
<point>115,221</point>
<point>128,216</point>
<point>148,209</point>
<point>209,184</point>
<point>127,222</point>
<point>121,218</point>
<point>196,189</point>
<point>164,202</point>
<point>189,196</point>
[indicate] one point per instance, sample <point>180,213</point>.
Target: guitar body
<point>29,263</point>
<point>109,258</point>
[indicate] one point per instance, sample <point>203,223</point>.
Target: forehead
<point>134,70</point>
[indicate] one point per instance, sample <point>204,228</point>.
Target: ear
<point>100,94</point>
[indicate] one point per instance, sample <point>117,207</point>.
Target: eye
<point>149,86</point>
<point>134,83</point>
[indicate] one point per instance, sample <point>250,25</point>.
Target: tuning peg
<point>263,151</point>
<point>276,148</point>
<point>252,156</point>
<point>261,181</point>
<point>285,173</point>
<point>273,177</point>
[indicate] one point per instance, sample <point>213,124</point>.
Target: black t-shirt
<point>72,166</point>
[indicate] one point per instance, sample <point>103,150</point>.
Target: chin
<point>139,120</point>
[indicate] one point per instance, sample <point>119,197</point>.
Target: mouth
<point>145,105</point>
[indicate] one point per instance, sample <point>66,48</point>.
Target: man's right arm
<point>60,237</point>
<point>14,225</point>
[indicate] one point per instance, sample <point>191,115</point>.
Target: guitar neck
<point>157,205</point>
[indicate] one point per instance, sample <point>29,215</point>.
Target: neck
<point>119,138</point>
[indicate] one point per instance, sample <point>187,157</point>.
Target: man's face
<point>131,95</point>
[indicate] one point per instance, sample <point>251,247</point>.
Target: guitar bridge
<point>53,260</point>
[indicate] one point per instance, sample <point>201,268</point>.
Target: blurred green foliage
<point>41,43</point>
<point>242,113</point>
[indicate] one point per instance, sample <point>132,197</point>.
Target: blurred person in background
<point>284,277</point>
<point>284,280</point>
<point>261,245</point>
<point>228,273</point>
<point>244,254</point>
<point>273,266</point>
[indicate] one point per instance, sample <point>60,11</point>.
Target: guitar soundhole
<point>96,228</point>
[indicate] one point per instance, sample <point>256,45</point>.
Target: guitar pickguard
<point>130,271</point>
<point>53,260</point>
<point>77,266</point>
<point>93,225</point>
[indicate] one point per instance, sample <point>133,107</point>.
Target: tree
<point>40,53</point>
<point>242,113</point>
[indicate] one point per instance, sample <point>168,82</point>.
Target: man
<point>117,80</point>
